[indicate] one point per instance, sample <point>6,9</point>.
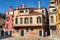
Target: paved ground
<point>18,38</point>
<point>41,38</point>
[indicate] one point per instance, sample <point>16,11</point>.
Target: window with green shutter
<point>53,10</point>
<point>39,20</point>
<point>30,19</point>
<point>21,11</point>
<point>26,21</point>
<point>26,10</point>
<point>16,21</point>
<point>21,20</point>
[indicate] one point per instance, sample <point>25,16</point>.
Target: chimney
<point>22,6</point>
<point>11,8</point>
<point>39,4</point>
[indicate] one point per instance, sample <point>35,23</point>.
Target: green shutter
<point>37,19</point>
<point>26,21</point>
<point>30,19</point>
<point>40,32</point>
<point>22,33</point>
<point>16,21</point>
<point>40,20</point>
<point>53,10</point>
<point>21,20</point>
<point>26,10</point>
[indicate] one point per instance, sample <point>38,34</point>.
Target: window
<point>7,18</point>
<point>52,19</point>
<point>31,29</point>
<point>54,28</point>
<point>53,10</point>
<point>6,25</point>
<point>27,30</point>
<point>52,2</point>
<point>43,11</point>
<point>21,11</point>
<point>26,10</point>
<point>40,32</point>
<point>30,19</point>
<point>17,30</point>
<point>26,20</point>
<point>39,20</point>
<point>21,20</point>
<point>16,21</point>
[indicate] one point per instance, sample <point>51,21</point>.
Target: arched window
<point>39,20</point>
<point>26,20</point>
<point>52,19</point>
<point>16,21</point>
<point>30,19</point>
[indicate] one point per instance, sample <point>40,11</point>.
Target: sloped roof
<point>2,21</point>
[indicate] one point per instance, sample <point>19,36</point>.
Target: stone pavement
<point>18,38</point>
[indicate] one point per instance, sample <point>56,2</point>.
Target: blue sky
<point>5,4</point>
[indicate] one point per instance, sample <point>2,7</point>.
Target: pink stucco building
<point>9,22</point>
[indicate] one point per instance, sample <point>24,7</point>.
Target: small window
<point>27,30</point>
<point>21,11</point>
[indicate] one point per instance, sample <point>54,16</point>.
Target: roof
<point>25,8</point>
<point>2,21</point>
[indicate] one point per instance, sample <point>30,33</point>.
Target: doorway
<point>22,32</point>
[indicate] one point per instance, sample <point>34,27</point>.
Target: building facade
<point>52,17</point>
<point>58,16</point>
<point>29,22</point>
<point>9,22</point>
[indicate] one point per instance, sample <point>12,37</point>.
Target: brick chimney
<point>22,6</point>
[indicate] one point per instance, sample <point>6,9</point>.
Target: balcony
<point>25,25</point>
